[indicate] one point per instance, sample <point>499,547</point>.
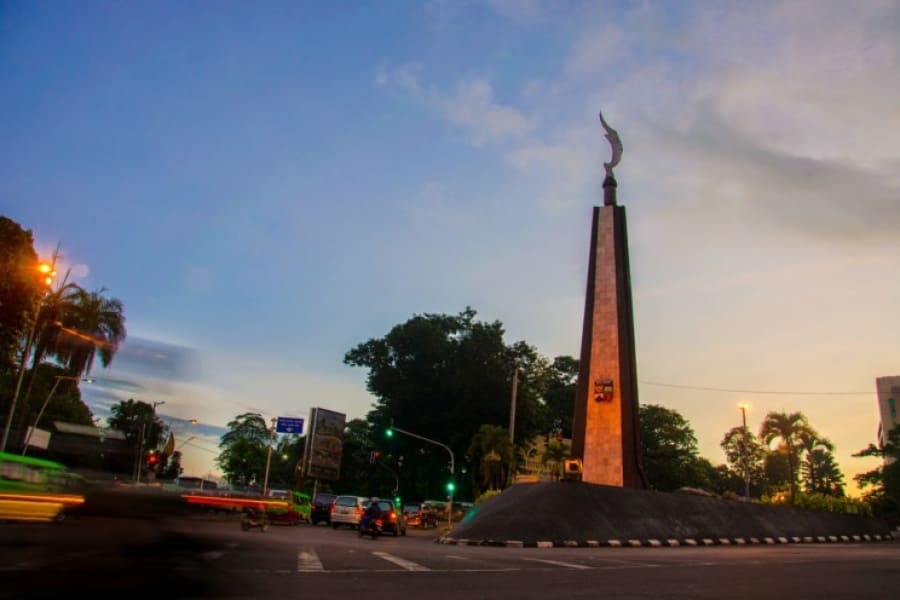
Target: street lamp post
<point>269,458</point>
<point>745,452</point>
<point>44,407</point>
<point>49,273</point>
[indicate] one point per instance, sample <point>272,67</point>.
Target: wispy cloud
<point>471,107</point>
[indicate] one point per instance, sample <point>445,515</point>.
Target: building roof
<point>89,430</point>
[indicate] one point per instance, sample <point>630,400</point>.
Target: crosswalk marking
<point>308,561</point>
<point>560,563</point>
<point>401,562</point>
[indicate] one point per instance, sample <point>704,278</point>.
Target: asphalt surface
<point>206,558</point>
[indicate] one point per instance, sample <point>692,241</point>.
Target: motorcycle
<point>373,528</point>
<point>254,519</point>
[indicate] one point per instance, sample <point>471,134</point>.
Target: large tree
<point>745,457</point>
<point>20,288</point>
<point>143,429</point>
<point>244,449</point>
<point>559,393</point>
<point>669,450</point>
<point>443,377</point>
<point>786,428</point>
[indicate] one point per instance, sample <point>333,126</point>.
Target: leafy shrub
<point>486,496</point>
<point>822,502</point>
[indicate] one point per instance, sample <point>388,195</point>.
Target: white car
<point>347,510</point>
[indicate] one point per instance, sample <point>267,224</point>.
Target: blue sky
<point>266,185</point>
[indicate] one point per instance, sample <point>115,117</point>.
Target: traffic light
<point>389,432</point>
<point>397,501</point>
<point>374,456</point>
<point>152,459</point>
<point>451,487</point>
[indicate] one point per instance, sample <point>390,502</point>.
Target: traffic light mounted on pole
<point>451,487</point>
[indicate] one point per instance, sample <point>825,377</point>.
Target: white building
<point>888,405</point>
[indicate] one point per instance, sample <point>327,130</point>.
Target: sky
<point>267,185</point>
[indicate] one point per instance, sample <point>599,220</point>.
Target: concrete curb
<point>668,543</point>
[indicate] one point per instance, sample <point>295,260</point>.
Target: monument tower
<point>605,434</point>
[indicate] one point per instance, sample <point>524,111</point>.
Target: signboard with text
<point>324,444</point>
<point>289,425</point>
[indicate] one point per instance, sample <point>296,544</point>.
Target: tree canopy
<point>443,377</point>
<point>669,450</point>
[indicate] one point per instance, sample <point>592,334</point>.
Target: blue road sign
<point>289,425</point>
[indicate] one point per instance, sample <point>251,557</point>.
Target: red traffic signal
<point>152,459</point>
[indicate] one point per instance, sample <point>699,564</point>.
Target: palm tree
<point>554,455</point>
<point>788,428</point>
<point>98,326</point>
<point>58,312</point>
<point>493,449</point>
<point>815,449</point>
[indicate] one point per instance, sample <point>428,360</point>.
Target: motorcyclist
<point>372,512</point>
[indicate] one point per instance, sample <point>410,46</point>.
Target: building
<point>888,409</point>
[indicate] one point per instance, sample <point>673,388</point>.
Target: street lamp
<point>269,458</point>
<point>745,450</point>
<point>48,273</point>
<point>44,406</point>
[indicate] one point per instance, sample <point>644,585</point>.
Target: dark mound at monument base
<point>582,514</point>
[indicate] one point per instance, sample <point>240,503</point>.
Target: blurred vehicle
<point>254,518</point>
<point>373,528</point>
<point>347,510</point>
<point>420,514</point>
<point>294,507</point>
<point>460,510</point>
<point>35,489</point>
<point>321,508</point>
<point>392,520</point>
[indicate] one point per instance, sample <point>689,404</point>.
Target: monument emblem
<point>613,136</point>
<point>605,434</point>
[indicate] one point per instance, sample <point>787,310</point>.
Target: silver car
<point>347,510</point>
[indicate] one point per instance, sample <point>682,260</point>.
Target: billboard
<point>324,444</point>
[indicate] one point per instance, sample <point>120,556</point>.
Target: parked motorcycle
<point>373,529</point>
<point>254,519</point>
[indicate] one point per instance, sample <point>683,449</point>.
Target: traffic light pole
<point>452,464</point>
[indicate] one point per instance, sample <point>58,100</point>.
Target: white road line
<point>401,562</point>
<point>308,562</point>
<point>560,563</point>
<point>457,557</point>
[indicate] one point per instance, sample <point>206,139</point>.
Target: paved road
<point>200,559</point>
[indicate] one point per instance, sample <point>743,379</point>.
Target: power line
<point>770,392</point>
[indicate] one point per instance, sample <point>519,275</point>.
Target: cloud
<point>594,51</point>
<point>471,107</point>
<point>524,11</point>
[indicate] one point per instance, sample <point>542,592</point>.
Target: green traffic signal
<point>451,486</point>
<point>389,432</point>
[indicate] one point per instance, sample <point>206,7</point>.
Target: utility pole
<point>140,456</point>
<point>746,461</point>
<point>269,458</point>
<point>512,406</point>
